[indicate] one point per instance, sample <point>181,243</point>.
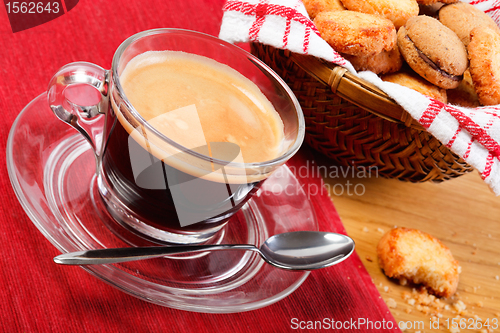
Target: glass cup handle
<point>80,117</point>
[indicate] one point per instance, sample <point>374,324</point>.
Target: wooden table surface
<point>463,213</point>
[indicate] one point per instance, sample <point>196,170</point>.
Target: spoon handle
<point>116,255</point>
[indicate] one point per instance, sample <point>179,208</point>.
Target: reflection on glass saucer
<point>52,172</point>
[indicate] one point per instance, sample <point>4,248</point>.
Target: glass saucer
<point>51,168</point>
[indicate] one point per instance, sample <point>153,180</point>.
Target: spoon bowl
<point>306,250</point>
<point>299,250</point>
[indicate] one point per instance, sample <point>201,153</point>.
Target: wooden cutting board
<point>463,213</point>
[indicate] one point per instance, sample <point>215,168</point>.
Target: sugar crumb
<point>459,306</point>
<point>391,303</point>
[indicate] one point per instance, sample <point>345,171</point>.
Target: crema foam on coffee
<point>194,100</point>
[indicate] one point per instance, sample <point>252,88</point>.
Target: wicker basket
<point>356,124</point>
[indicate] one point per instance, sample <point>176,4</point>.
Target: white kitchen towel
<point>472,133</point>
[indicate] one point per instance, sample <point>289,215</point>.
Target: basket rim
<point>352,88</point>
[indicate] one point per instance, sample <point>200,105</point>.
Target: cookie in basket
<point>465,94</point>
<point>420,258</point>
<point>433,51</point>
<point>414,81</point>
<point>398,11</point>
<point>381,63</point>
<point>431,10</point>
<point>313,7</point>
<point>355,33</point>
<point>431,2</point>
<point>462,17</point>
<point>484,56</point>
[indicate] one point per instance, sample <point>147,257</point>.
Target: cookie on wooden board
<point>420,258</point>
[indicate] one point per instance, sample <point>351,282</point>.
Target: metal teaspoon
<point>299,250</point>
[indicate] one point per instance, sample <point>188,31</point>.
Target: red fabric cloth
<point>40,296</point>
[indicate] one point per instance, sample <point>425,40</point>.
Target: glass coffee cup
<point>153,183</point>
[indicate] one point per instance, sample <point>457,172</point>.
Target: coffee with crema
<point>184,94</point>
<point>199,104</point>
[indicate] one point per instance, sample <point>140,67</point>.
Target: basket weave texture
<point>356,124</point>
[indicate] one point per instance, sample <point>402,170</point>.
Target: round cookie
<point>398,11</point>
<point>314,7</point>
<point>418,257</point>
<point>484,56</point>
<point>433,51</point>
<point>355,33</point>
<point>462,17</point>
<point>381,63</point>
<point>413,81</point>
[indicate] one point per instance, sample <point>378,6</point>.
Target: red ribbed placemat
<point>39,296</point>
